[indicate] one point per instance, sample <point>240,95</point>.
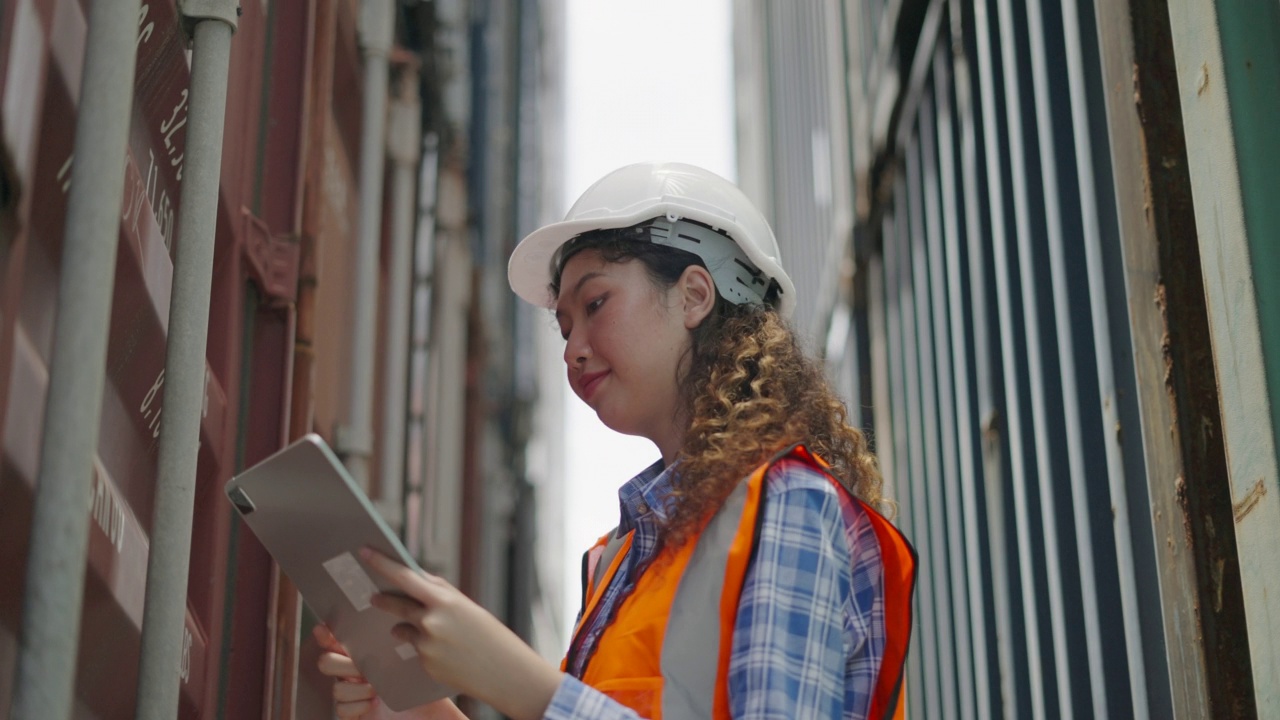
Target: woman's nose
<point>576,350</point>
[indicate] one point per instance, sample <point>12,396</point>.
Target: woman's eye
<point>594,305</point>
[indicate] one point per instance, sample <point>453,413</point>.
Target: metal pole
<point>404,145</point>
<point>59,541</point>
<point>168,562</point>
<point>377,22</point>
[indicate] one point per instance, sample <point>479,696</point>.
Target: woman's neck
<point>670,441</point>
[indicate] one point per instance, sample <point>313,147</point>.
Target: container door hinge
<point>272,259</point>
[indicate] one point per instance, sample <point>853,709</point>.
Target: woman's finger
<point>348,691</point>
<point>324,636</point>
<point>408,632</point>
<point>402,576</point>
<point>336,665</point>
<point>407,609</point>
<point>353,710</point>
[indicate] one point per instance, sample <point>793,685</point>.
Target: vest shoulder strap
<point>611,549</point>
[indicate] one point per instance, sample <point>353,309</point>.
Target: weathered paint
<point>42,48</point>
<point>1250,35</point>
<point>278,344</point>
<point>1155,217</point>
<point>1230,279</point>
<point>1101,575</point>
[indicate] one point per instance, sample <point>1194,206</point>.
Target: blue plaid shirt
<point>810,628</point>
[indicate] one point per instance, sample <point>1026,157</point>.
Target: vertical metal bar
<point>355,442</point>
<point>915,458</point>
<point>1225,102</point>
<point>170,554</point>
<point>423,280</point>
<point>933,477</point>
<point>905,496</point>
<point>1036,344</point>
<point>1106,377</point>
<point>882,416</point>
<point>1012,402</point>
<point>949,475</point>
<point>968,471</point>
<point>987,493</point>
<point>1152,199</point>
<point>404,145</point>
<point>1062,306</point>
<point>59,541</point>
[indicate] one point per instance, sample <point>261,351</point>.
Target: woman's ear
<point>697,295</point>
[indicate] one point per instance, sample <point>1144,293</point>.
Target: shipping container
<point>443,444</point>
<point>1051,308</point>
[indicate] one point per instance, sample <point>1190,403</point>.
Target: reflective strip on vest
<point>688,678</point>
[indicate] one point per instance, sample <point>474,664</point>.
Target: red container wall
<point>234,644</point>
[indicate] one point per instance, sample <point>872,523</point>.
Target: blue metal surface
<point>992,285</point>
<point>946,401</point>
<point>975,646</point>
<point>936,498</point>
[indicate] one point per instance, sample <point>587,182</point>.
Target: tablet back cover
<point>309,514</point>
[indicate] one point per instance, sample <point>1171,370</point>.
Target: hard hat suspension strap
<point>737,279</point>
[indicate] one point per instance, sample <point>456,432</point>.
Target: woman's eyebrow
<point>582,280</point>
<point>559,314</point>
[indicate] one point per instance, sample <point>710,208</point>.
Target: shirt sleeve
<point>575,700</point>
<point>806,642</point>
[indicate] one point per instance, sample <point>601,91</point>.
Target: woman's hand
<point>353,696</point>
<point>463,646</point>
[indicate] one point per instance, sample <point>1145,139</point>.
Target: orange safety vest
<point>666,652</point>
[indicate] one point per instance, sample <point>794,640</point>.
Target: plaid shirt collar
<point>645,499</point>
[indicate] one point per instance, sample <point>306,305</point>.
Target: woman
<point>747,578</point>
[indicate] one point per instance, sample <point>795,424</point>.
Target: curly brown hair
<point>749,391</point>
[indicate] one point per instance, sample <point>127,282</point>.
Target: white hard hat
<point>673,192</point>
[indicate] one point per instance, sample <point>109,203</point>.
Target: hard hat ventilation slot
<point>757,275</point>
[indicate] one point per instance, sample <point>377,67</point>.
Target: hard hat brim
<point>529,268</point>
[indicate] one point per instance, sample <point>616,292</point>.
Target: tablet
<point>309,514</point>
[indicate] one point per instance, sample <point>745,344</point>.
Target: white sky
<point>645,80</point>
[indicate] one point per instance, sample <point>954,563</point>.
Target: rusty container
<point>286,190</point>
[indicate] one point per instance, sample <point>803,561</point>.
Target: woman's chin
<point>614,422</point>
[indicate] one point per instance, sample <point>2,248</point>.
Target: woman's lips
<point>590,382</point>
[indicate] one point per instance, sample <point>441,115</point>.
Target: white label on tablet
<point>354,581</point>
<point>406,651</point>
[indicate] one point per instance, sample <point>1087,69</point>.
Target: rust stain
<point>1180,493</point>
<point>1250,500</point>
<point>1166,354</point>
<point>1219,566</point>
<point>1204,79</point>
<point>1207,427</point>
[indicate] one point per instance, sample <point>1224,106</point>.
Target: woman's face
<point>624,341</point>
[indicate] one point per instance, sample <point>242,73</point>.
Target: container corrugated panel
<point>805,165</point>
<point>279,327</point>
<point>1012,379</point>
<point>1003,467</point>
<point>996,359</point>
<point>249,341</point>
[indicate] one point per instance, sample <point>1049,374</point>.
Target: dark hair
<point>748,391</point>
<point>665,264</point>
